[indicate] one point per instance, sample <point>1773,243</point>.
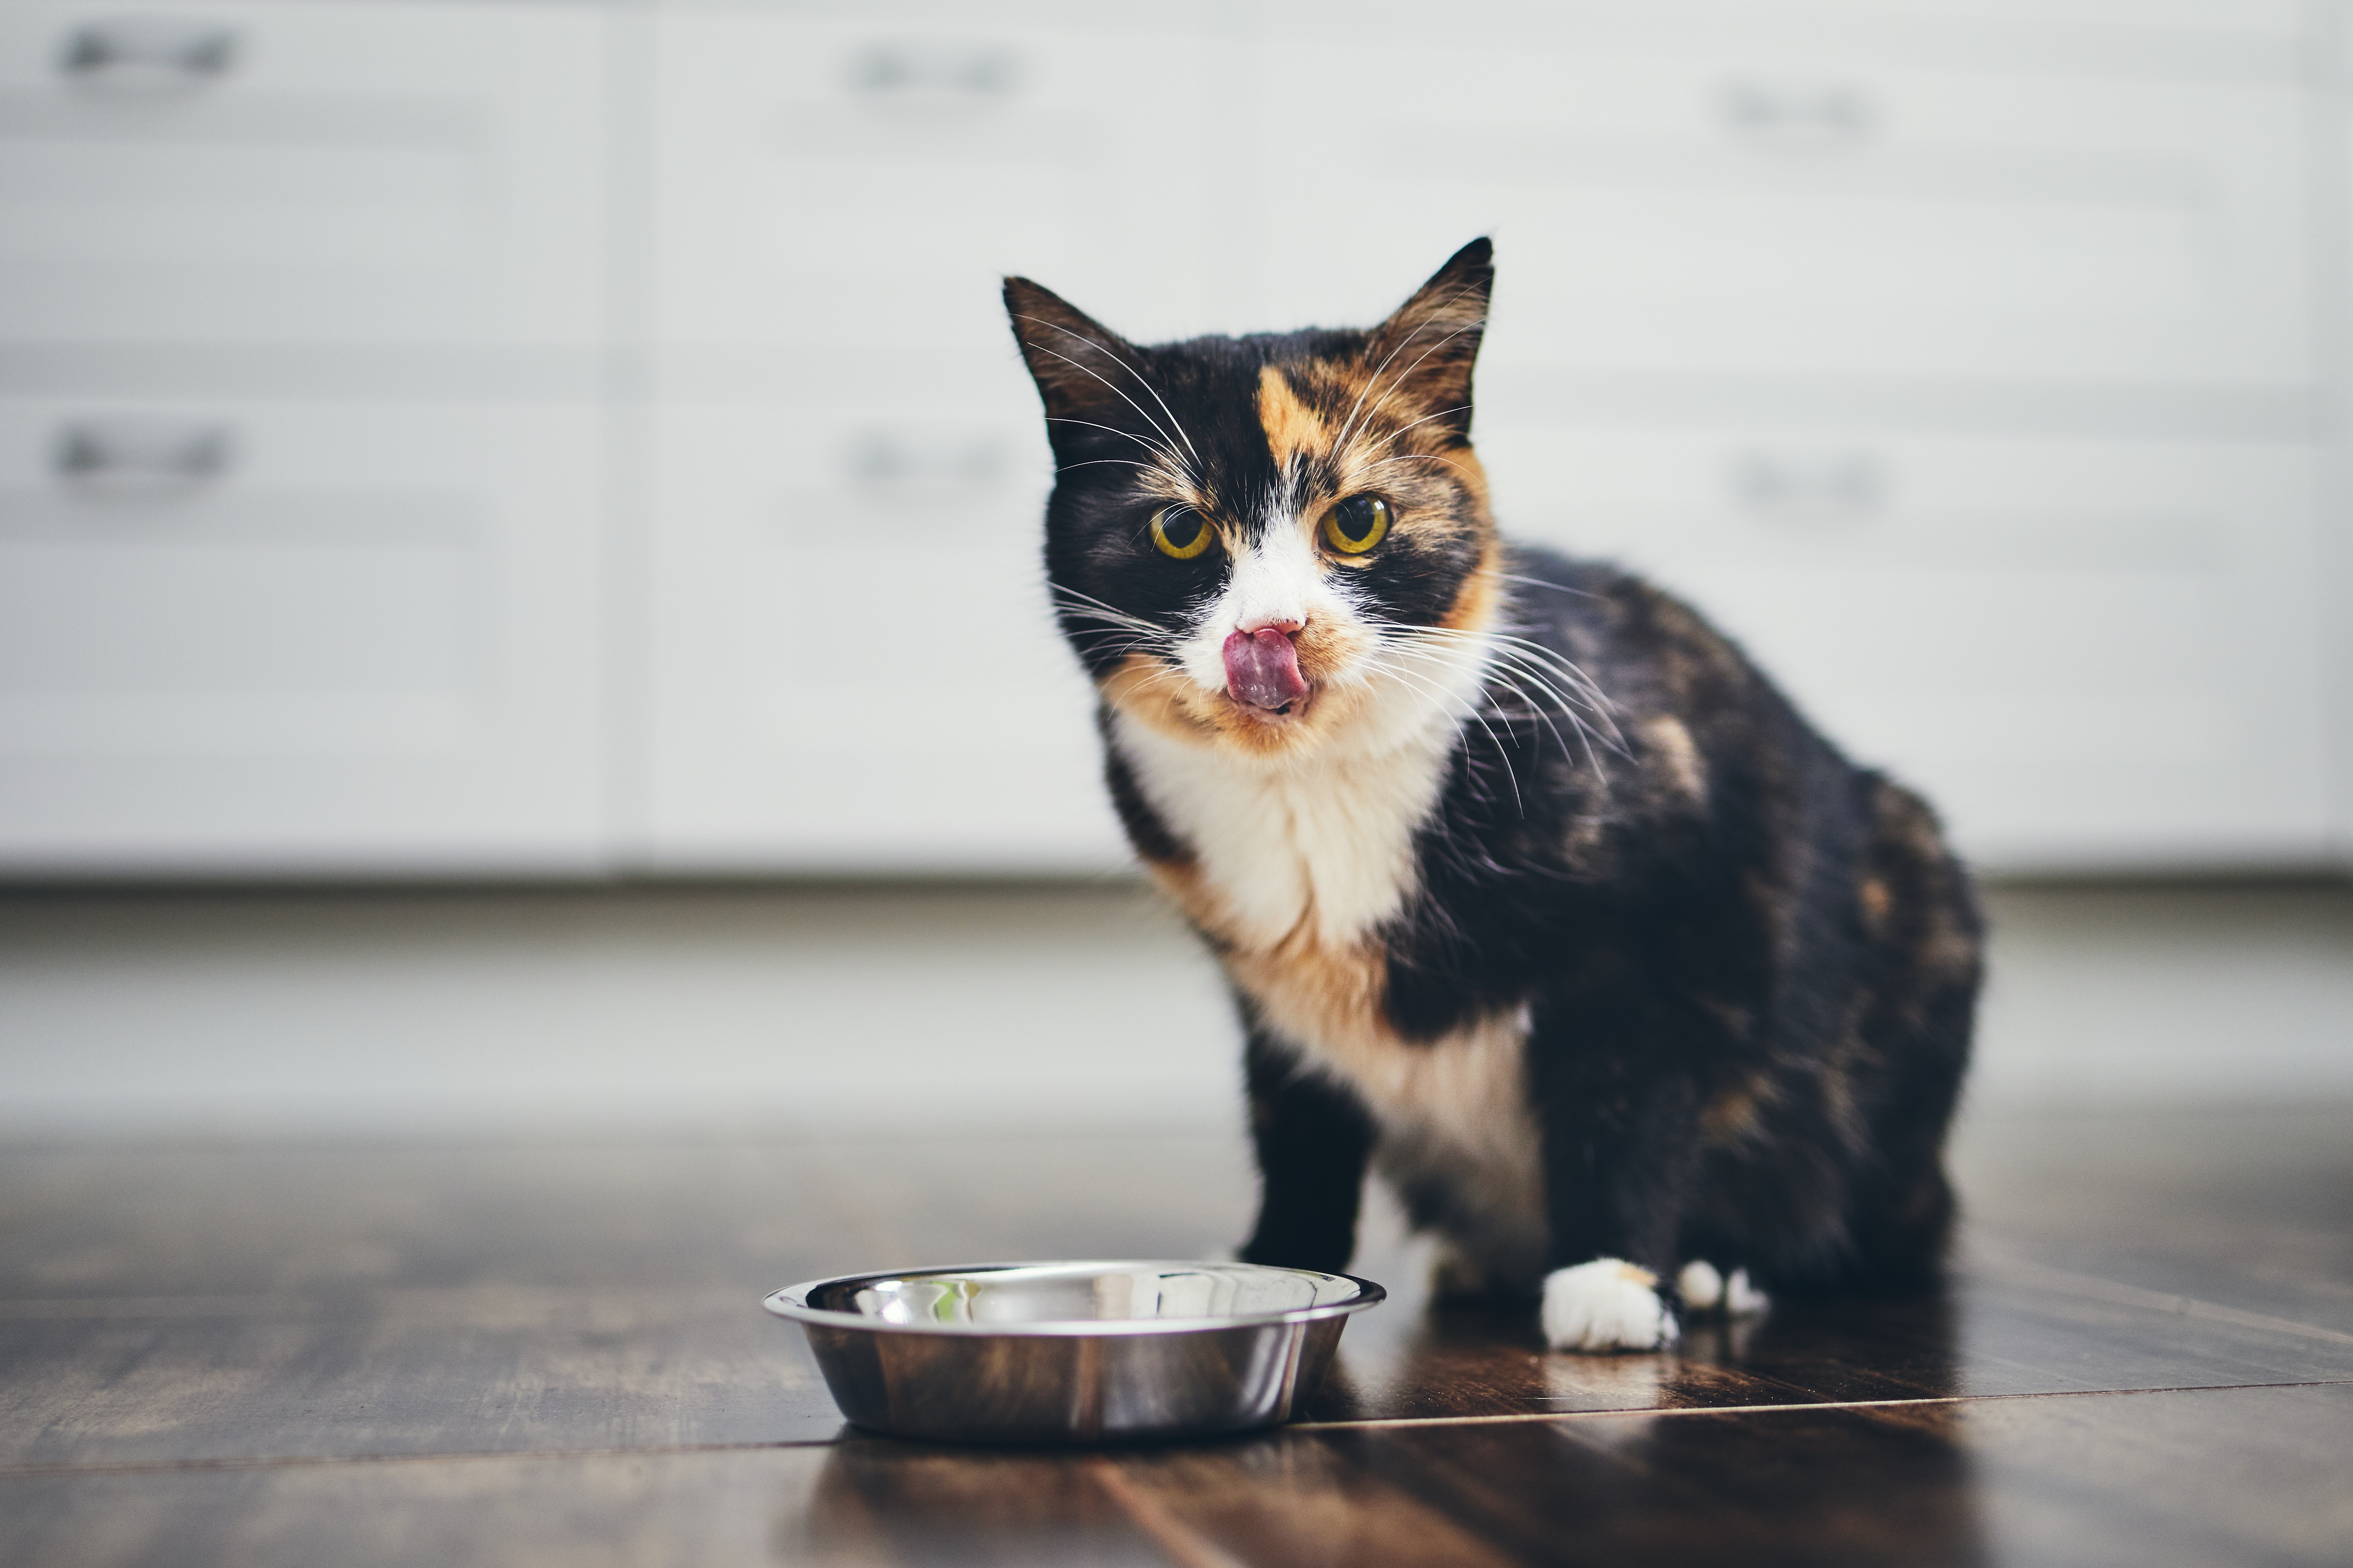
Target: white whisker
<point>1131,370</point>
<point>1124,398</point>
<point>1540,583</point>
<point>1392,438</point>
<point>1573,693</point>
<point>1428,319</point>
<point>1433,688</point>
<point>1152,447</point>
<point>1504,674</point>
<point>1416,457</point>
<point>1409,370</point>
<point>1097,462</point>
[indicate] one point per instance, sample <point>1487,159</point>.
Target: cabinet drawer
<point>824,185</point>
<point>2088,654</point>
<point>1755,201</point>
<point>252,637</point>
<point>254,173</point>
<point>854,661</point>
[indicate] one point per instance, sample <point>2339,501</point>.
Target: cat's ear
<point>1427,347</point>
<point>1081,366</point>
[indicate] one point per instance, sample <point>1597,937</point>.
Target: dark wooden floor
<point>553,1352</point>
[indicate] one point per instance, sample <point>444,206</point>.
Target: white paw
<point>1706,1291</point>
<point>1606,1305</point>
<point>1702,1289</point>
<point>1700,1286</point>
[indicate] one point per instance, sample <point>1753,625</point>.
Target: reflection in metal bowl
<point>1027,1352</point>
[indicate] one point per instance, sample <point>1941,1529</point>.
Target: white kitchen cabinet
<point>193,171</point>
<point>2087,653</point>
<point>1927,194</point>
<point>853,662</point>
<point>304,570</point>
<point>852,191</point>
<point>284,639</point>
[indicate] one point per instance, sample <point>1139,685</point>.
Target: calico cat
<point>1533,892</point>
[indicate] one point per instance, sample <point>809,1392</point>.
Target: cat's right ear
<point>1081,366</point>
<point>1433,338</point>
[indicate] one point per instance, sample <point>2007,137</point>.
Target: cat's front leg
<point>1313,1140</point>
<point>1618,1133</point>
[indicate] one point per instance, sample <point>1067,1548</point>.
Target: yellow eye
<point>1180,532</point>
<point>1356,524</point>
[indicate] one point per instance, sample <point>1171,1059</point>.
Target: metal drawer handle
<point>1798,114</point>
<point>891,460</point>
<point>1837,485</point>
<point>909,70</point>
<point>158,50</point>
<point>142,453</point>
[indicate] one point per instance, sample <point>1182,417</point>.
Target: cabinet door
<point>184,171</point>
<point>854,665</point>
<point>2087,653</point>
<point>1802,192</point>
<point>855,191</point>
<point>252,638</point>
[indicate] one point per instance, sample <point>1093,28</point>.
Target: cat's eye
<point>1180,532</point>
<point>1356,524</point>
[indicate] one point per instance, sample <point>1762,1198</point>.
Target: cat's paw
<point>1606,1305</point>
<point>1703,1289</point>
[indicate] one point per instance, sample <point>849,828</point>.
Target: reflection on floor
<point>488,1352</point>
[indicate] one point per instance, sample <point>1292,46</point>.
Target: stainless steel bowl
<point>1031,1353</point>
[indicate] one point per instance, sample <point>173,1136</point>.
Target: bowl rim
<point>792,1302</point>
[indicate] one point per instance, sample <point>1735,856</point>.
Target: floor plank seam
<point>1524,1417</point>
<point>2001,1264</point>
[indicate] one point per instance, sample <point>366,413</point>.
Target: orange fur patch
<point>1312,992</point>
<point>1669,742</point>
<point>1293,429</point>
<point>1162,698</point>
<point>1307,989</point>
<point>1474,609</point>
<point>1730,1117</point>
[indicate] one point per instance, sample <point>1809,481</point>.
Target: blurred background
<point>519,599</point>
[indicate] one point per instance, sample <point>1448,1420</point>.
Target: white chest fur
<point>1295,867</point>
<point>1319,849</point>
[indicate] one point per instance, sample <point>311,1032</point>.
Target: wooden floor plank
<point>2243,1477</point>
<point>2252,1209</point>
<point>230,1302</point>
<point>203,1303</point>
<point>2219,1476</point>
<point>485,1369</point>
<point>792,1505</point>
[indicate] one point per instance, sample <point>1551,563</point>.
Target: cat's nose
<point>1272,624</point>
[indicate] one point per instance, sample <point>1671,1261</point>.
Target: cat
<point>1533,893</point>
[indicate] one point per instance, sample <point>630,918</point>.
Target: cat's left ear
<point>1427,347</point>
<point>1082,367</point>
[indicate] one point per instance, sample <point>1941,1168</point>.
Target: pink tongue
<point>1262,668</point>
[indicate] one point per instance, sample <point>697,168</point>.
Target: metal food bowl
<point>1043,1352</point>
